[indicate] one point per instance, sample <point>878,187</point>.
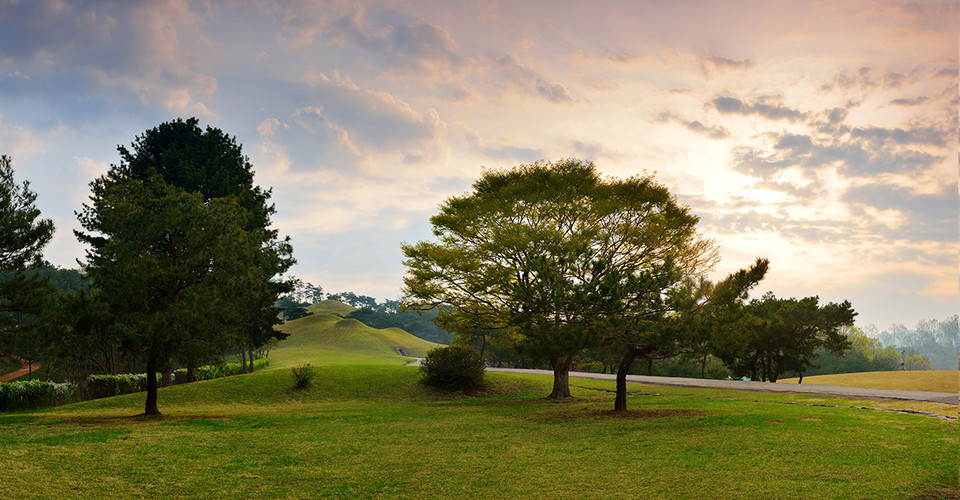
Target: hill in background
<point>330,339</point>
<point>331,307</point>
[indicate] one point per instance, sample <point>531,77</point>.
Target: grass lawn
<point>373,431</point>
<point>331,307</point>
<point>925,380</point>
<point>328,339</point>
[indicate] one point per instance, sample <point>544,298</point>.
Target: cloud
<point>715,63</point>
<point>931,217</point>
<point>91,168</point>
<point>151,50</point>
<point>878,136</point>
<point>501,151</point>
<point>916,101</point>
<point>508,67</point>
<point>696,126</point>
<point>375,121</point>
<point>766,107</point>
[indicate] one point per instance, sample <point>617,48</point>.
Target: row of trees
<point>937,340</point>
<point>182,261</point>
<point>553,261</point>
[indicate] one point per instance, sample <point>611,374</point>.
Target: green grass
<point>373,431</point>
<point>331,307</point>
<point>927,380</point>
<point>328,339</point>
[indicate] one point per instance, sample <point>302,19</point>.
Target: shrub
<point>105,386</point>
<point>33,393</point>
<point>453,368</point>
<point>302,376</point>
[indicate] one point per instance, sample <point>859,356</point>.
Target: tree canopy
<point>779,336</point>
<point>180,236</point>
<point>170,268</point>
<point>545,254</point>
<point>211,163</point>
<point>23,234</point>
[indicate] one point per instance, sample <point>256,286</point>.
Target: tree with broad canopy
<point>546,255</point>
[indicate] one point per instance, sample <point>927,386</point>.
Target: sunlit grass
<point>333,307</point>
<point>328,339</point>
<point>365,431</point>
<point>924,380</point>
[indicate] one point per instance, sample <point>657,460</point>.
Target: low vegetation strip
<point>374,431</point>
<point>36,393</point>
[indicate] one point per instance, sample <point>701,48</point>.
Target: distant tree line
<point>937,341</point>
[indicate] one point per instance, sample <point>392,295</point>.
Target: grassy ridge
<point>366,431</point>
<point>333,307</point>
<point>327,339</point>
<point>927,380</point>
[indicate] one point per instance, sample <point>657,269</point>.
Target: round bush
<point>453,368</point>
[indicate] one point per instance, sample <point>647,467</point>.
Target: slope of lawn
<point>373,431</point>
<point>333,307</point>
<point>328,339</point>
<point>928,380</point>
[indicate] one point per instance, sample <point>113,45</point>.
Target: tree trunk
<point>251,358</point>
<point>561,377</point>
<point>243,360</point>
<point>801,378</point>
<point>649,366</point>
<point>192,372</point>
<point>703,367</point>
<point>151,406</point>
<point>620,403</point>
<point>167,379</point>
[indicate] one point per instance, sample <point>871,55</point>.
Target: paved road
<point>832,390</point>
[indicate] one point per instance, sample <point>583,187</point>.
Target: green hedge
<point>34,393</point>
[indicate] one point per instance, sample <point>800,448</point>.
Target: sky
<point>821,135</point>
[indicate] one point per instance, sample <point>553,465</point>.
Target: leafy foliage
<point>23,234</point>
<point>453,368</point>
<point>34,393</point>
<point>544,254</point>
<point>783,336</point>
<point>181,249</point>
<point>302,376</point>
<point>171,268</point>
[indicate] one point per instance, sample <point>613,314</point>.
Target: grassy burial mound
<point>331,307</point>
<point>925,380</point>
<point>329,339</point>
<point>373,431</point>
